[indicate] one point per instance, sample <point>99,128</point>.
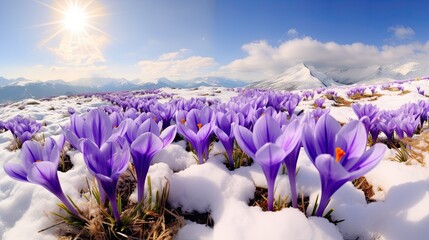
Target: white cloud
<point>84,50</point>
<point>401,32</point>
<point>292,32</point>
<point>173,55</point>
<point>66,73</point>
<point>264,60</point>
<point>176,65</point>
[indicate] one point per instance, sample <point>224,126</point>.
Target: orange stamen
<point>339,153</point>
<point>183,121</point>
<point>199,125</point>
<point>39,161</point>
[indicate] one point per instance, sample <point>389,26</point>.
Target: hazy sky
<point>182,39</point>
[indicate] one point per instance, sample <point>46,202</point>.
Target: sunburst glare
<point>75,20</point>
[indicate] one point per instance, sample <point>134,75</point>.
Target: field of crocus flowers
<point>217,163</point>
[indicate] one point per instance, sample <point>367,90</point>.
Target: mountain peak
<point>300,76</point>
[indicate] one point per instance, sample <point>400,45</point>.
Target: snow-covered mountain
<point>196,82</point>
<point>297,77</point>
<point>21,88</point>
<point>303,76</point>
<point>106,84</point>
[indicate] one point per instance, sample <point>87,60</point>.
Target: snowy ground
<point>401,190</point>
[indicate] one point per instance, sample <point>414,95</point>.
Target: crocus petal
<point>25,136</point>
<point>205,132</point>
<point>148,126</point>
<point>45,174</point>
<point>120,160</point>
<point>223,122</point>
<point>269,154</point>
<point>167,136</point>
<point>290,137</point>
<point>77,125</point>
<point>220,134</point>
<point>181,115</point>
<point>206,115</point>
<point>368,161</point>
<point>309,143</point>
<point>100,127</point>
<point>192,120</point>
<point>131,132</point>
<point>326,130</point>
<point>119,131</point>
<point>72,139</point>
<point>30,153</point>
<point>330,169</point>
<point>16,171</point>
<point>266,129</point>
<point>244,139</point>
<point>91,154</point>
<point>115,118</point>
<point>187,133</point>
<point>49,143</point>
<point>356,136</point>
<point>53,155</point>
<point>146,146</point>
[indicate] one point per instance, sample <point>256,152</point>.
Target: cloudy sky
<point>183,39</point>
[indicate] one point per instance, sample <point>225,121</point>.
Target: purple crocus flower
<point>225,133</point>
<point>23,129</point>
<point>407,125</point>
<point>290,105</point>
<point>339,153</point>
<point>145,146</point>
<point>268,145</point>
<point>386,124</point>
<point>96,127</point>
<point>164,112</point>
<point>197,127</point>
<point>71,110</point>
<point>424,105</point>
<point>107,163</point>
<point>318,112</point>
<point>319,102</point>
<point>39,165</point>
<point>116,118</point>
<point>373,89</point>
<point>290,162</point>
<point>367,113</point>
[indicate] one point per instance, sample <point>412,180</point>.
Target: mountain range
<point>22,88</point>
<point>303,76</point>
<point>298,77</point>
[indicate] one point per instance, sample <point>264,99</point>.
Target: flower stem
<point>270,185</point>
<point>324,200</point>
<point>115,210</point>
<point>292,181</point>
<point>68,205</point>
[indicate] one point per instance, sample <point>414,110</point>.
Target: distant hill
<point>21,88</point>
<point>197,82</point>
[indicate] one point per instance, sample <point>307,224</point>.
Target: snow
<point>401,210</point>
<point>299,77</point>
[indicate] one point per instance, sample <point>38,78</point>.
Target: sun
<point>75,19</point>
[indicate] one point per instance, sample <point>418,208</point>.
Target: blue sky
<point>250,39</point>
